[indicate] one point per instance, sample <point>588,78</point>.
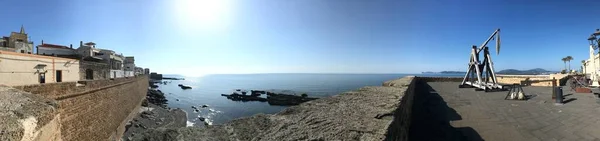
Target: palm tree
<point>565,61</point>
<point>569,58</point>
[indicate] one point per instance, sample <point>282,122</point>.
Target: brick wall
<point>98,110</point>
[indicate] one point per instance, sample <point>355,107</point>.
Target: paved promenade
<point>442,111</point>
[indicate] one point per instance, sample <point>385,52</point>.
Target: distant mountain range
<point>535,71</point>
<point>445,72</point>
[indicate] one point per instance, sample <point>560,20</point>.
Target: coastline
<point>154,114</point>
<point>367,115</point>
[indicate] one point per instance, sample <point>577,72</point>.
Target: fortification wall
<point>533,80</point>
<point>94,110</point>
<point>27,117</point>
<point>399,127</point>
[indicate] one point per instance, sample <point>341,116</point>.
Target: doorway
<point>42,77</point>
<point>58,76</point>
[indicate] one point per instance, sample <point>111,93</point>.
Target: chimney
<point>71,45</point>
<point>80,43</point>
<point>42,42</point>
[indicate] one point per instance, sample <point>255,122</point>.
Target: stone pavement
<point>442,111</point>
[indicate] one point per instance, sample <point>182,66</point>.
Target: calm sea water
<point>208,89</point>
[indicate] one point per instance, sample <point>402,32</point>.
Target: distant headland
<point>536,71</point>
<point>444,72</point>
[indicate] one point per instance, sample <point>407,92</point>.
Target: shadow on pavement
<point>569,100</point>
<point>431,118</point>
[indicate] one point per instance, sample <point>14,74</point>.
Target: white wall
<point>129,74</point>
<point>24,69</point>
<point>117,73</point>
<point>56,51</point>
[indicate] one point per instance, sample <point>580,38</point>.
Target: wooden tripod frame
<point>475,75</point>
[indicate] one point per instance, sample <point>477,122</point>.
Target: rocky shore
<point>154,115</point>
<point>272,97</point>
<point>364,114</point>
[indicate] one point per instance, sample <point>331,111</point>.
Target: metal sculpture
<point>481,74</point>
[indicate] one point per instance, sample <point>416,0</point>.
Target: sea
<point>207,90</point>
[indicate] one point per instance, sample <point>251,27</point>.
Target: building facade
<point>88,51</point>
<point>17,42</point>
<point>25,69</point>
<point>139,71</point>
<point>115,61</point>
<point>57,51</point>
<point>90,70</point>
<point>129,66</point>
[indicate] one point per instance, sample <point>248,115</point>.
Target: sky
<point>196,37</point>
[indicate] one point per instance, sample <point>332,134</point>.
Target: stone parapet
<point>27,117</point>
<point>94,110</point>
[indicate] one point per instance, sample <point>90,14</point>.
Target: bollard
<point>559,95</point>
<point>553,88</point>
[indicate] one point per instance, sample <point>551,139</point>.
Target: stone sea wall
<point>27,117</point>
<point>369,113</point>
<point>398,129</point>
<point>533,80</point>
<point>94,110</point>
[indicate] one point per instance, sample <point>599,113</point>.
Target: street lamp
<point>592,38</point>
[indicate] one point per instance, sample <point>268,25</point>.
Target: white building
<point>139,71</point>
<point>129,66</point>
<point>55,50</point>
<point>115,62</point>
<point>588,66</point>
<point>88,51</point>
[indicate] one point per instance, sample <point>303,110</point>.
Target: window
<point>22,51</point>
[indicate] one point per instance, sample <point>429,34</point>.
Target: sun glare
<point>203,14</point>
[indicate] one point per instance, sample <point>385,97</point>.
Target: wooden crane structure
<point>481,74</point>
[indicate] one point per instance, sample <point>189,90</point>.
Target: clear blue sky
<point>313,36</point>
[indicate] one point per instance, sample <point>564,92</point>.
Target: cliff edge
<point>364,114</point>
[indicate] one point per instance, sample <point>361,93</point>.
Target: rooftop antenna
<point>475,75</point>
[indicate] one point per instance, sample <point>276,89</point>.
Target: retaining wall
<point>94,110</point>
<point>398,129</point>
<point>533,80</point>
<point>27,117</point>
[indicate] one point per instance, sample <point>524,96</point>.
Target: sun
<point>203,14</point>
